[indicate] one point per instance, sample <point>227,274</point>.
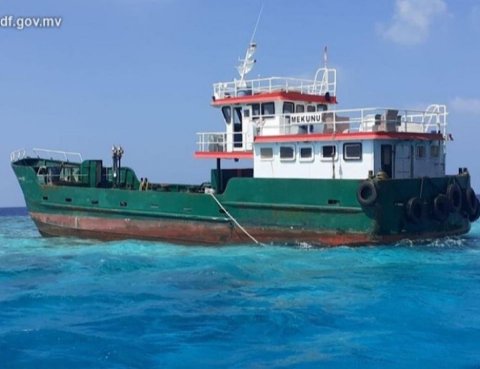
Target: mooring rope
<point>234,220</point>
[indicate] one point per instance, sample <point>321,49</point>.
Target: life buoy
<point>454,195</point>
<point>471,202</point>
<point>441,207</point>
<point>367,193</point>
<point>414,210</point>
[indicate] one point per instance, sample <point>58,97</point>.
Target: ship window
<point>352,151</point>
<point>287,153</point>
<point>268,108</point>
<point>321,107</point>
<point>227,114</point>
<point>434,151</point>
<point>310,108</point>
<point>306,153</point>
<point>255,110</point>
<point>299,108</point>
<point>237,116</point>
<point>328,151</point>
<point>266,153</point>
<point>246,113</point>
<point>288,108</point>
<point>420,151</point>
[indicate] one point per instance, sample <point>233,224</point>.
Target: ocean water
<point>68,303</point>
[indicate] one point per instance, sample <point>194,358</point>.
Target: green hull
<point>316,211</point>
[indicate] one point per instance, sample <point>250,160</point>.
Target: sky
<point>139,73</point>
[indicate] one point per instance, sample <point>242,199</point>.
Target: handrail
<point>18,155</point>
<point>66,156</point>
<point>317,86</point>
<point>376,119</point>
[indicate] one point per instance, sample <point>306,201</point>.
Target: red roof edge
<point>277,95</point>
<point>224,155</point>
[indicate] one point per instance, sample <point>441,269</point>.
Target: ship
<point>316,175</point>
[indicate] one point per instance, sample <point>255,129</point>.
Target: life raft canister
<point>441,207</point>
<point>414,210</point>
<point>454,195</point>
<point>367,193</point>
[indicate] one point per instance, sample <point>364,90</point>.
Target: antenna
<point>247,63</point>
<point>325,57</point>
<point>256,24</point>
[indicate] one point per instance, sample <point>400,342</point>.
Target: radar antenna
<point>246,64</point>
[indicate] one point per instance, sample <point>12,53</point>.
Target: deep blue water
<point>67,303</point>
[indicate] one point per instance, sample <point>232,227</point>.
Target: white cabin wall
<point>315,168</point>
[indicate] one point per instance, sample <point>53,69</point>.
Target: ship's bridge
<point>263,106</point>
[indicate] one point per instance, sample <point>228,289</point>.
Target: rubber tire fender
<point>367,193</point>
<point>475,216</point>
<point>441,207</point>
<point>471,201</point>
<point>414,210</point>
<point>454,195</point>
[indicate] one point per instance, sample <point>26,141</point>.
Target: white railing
<point>431,120</point>
<point>66,156</point>
<point>434,119</point>
<point>18,155</point>
<point>211,142</point>
<point>224,142</point>
<point>325,81</point>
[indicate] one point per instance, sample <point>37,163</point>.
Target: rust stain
<point>203,233</point>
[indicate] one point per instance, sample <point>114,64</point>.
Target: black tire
<point>475,216</point>
<point>367,193</point>
<point>471,202</point>
<point>414,210</point>
<point>441,207</point>
<point>454,195</point>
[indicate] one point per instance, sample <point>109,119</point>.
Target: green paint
<point>326,205</point>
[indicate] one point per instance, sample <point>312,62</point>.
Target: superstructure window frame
<point>288,107</point>
<point>256,110</point>
<point>348,157</point>
<point>330,156</point>
<point>227,114</point>
<point>301,153</point>
<point>420,152</point>
<point>283,149</point>
<point>266,153</point>
<point>265,107</point>
<point>299,108</point>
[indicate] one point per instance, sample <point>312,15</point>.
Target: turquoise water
<point>67,303</point>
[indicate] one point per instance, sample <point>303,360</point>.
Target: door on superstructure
<point>237,128</point>
<point>386,159</point>
<point>249,127</point>
<point>403,160</point>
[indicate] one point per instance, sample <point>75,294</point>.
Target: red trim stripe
<point>277,95</point>
<point>353,136</point>
<point>224,155</point>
